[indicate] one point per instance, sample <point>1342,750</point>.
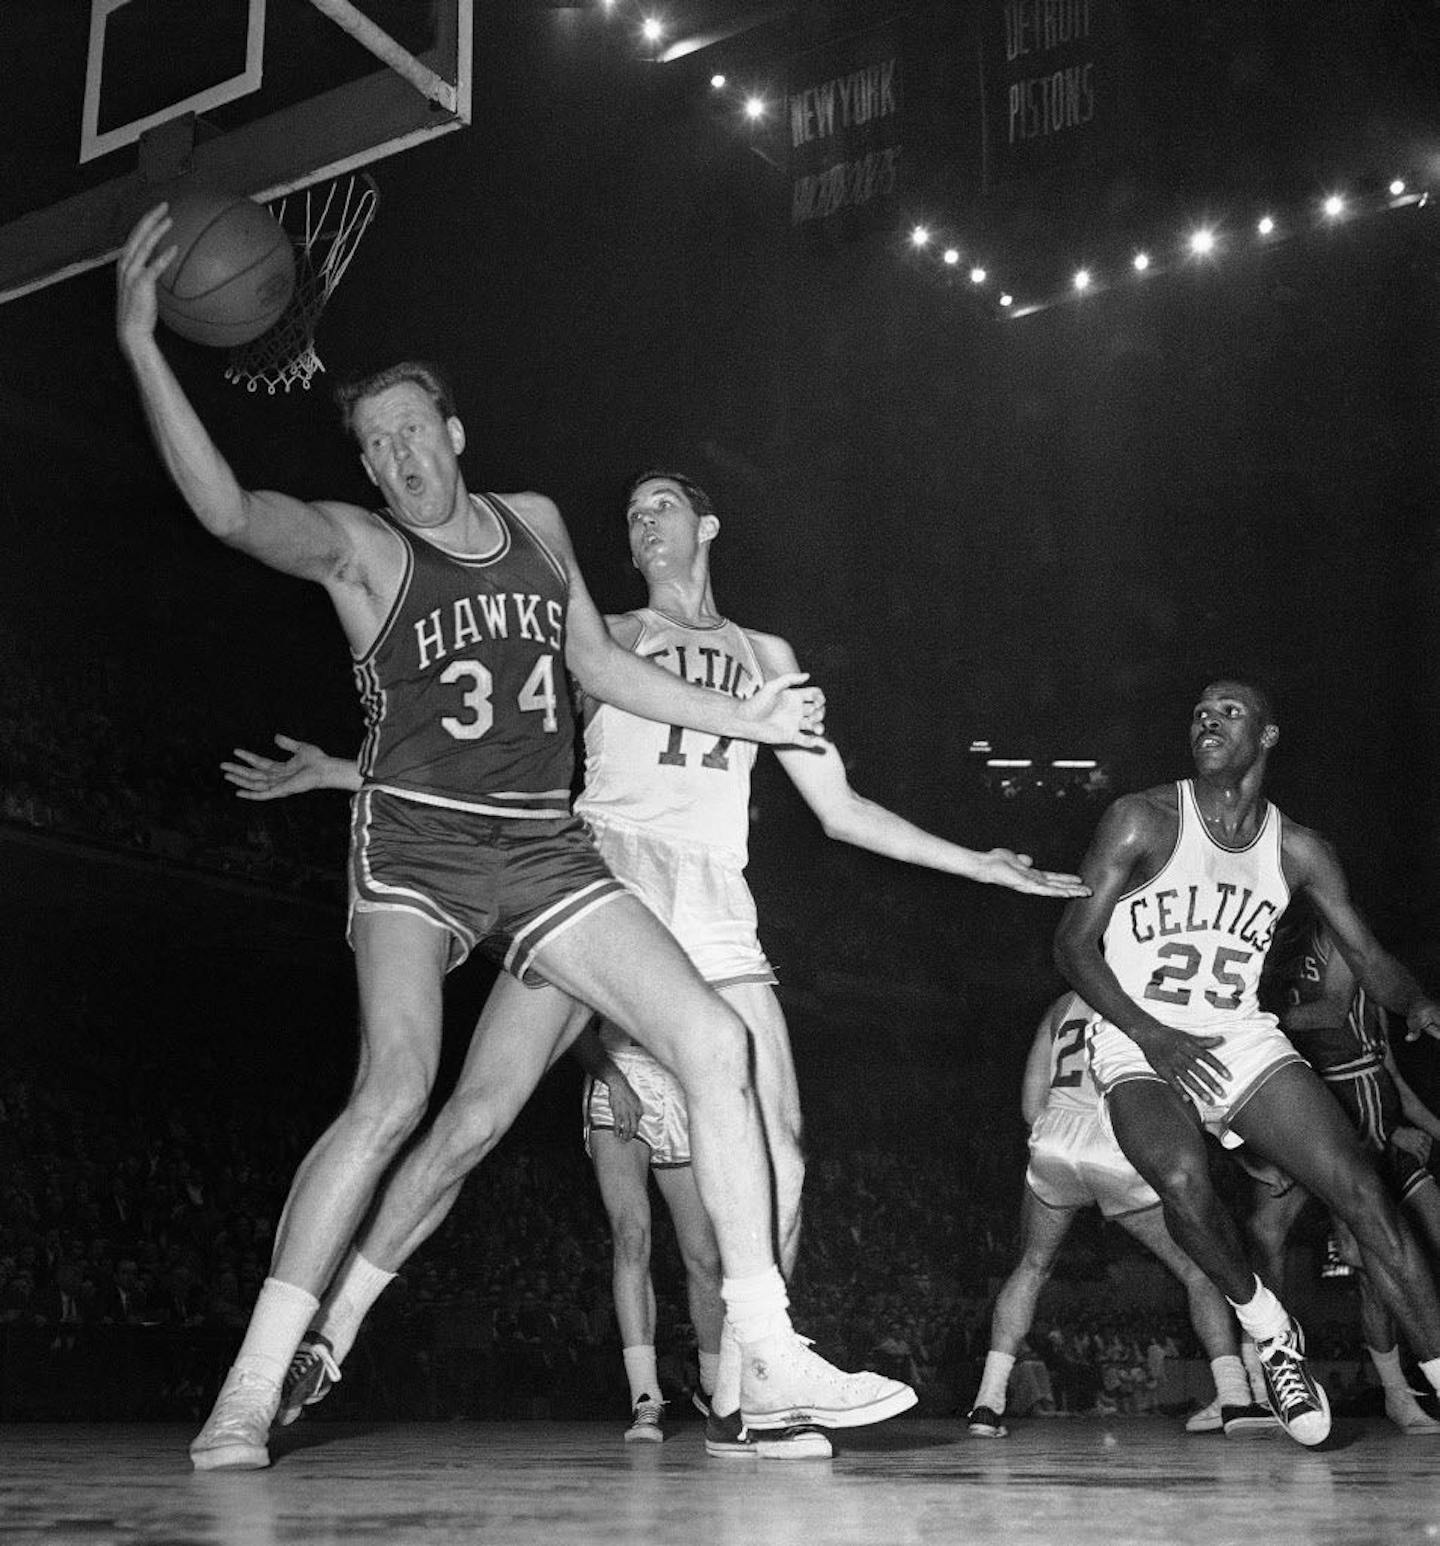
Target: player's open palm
<point>1017,872</point>
<point>273,778</point>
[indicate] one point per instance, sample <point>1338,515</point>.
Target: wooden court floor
<point>1063,1482</point>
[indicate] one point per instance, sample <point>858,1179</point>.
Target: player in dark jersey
<point>460,612</point>
<point>1343,1035</point>
<point>1187,882</point>
<point>673,821</point>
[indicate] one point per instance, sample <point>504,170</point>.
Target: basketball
<point>233,272</point>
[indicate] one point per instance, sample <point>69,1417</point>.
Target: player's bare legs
<point>1422,1208</point>
<point>699,1252</point>
<point>520,1033</point>
<point>622,1169</point>
<point>778,1092</point>
<point>400,961</point>
<point>1210,1315</point>
<point>1042,1233</point>
<point>400,965</point>
<point>1268,1226</point>
<point>634,973</point>
<point>1294,1121</point>
<point>1161,1137</point>
<point>630,969</point>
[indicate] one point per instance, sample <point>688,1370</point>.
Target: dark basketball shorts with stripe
<point>505,885</point>
<point>1371,1100</point>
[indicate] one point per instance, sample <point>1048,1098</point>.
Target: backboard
<point>126,102</point>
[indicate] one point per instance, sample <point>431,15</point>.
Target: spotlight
<point>978,276</point>
<point>951,256</point>
<point>1397,187</point>
<point>919,236</point>
<point>754,108</point>
<point>1334,207</point>
<point>1141,261</point>
<point>652,30</point>
<point>1202,243</point>
<point>1265,226</point>
<point>717,82</point>
<point>1082,279</point>
<point>1007,300</point>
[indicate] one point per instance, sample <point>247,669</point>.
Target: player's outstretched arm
<point>272,778</point>
<point>784,712</point>
<point>1311,862</point>
<point>847,816</point>
<point>1129,831</point>
<point>312,541</point>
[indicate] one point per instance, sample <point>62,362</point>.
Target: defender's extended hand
<point>1001,867</point>
<point>269,778</point>
<point>1423,1020</point>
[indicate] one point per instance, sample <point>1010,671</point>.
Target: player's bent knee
<point>388,1111</point>
<point>465,1132</point>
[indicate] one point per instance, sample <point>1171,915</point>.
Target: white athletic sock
<point>709,1366</point>
<point>640,1370</point>
<point>1232,1384</point>
<point>1250,1357</point>
<point>725,1397</point>
<point>358,1285</point>
<point>995,1380</point>
<point>1430,1368</point>
<point>1262,1315</point>
<point>756,1305</point>
<point>1387,1366</point>
<point>278,1321</point>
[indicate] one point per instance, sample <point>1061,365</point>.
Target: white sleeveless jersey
<point>1071,1086</point>
<point>1188,945</point>
<point>681,785</point>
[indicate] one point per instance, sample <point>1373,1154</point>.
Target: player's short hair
<point>700,502</point>
<point>421,373</point>
<point>1260,691</point>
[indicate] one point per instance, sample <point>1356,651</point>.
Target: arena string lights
<point>980,267</point>
<point>1204,243</point>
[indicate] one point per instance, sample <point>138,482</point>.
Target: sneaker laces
<point>1287,1377</point>
<point>309,1353</point>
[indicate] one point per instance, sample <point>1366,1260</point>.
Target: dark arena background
<point>1013,494</point>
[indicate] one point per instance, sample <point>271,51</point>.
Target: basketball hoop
<point>325,222</point>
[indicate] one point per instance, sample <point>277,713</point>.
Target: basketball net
<point>325,222</point>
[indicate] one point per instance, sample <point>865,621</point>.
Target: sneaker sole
<point>645,1436</point>
<point>1252,1428</point>
<point>232,1457</point>
<point>899,1400</point>
<point>724,1449</point>
<point>794,1446</point>
<point>985,1431</point>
